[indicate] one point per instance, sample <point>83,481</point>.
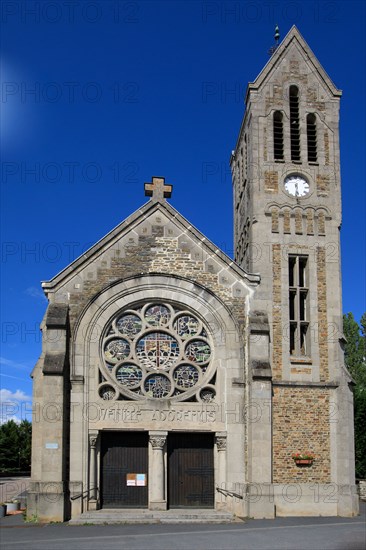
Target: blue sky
<point>99,96</point>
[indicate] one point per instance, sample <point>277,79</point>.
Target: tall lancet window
<point>311,136</point>
<point>278,135</point>
<point>294,124</point>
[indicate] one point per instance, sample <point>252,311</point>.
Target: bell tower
<point>287,217</point>
<point>287,204</point>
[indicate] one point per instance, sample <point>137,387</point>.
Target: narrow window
<point>278,135</point>
<point>298,305</point>
<point>311,135</point>
<point>303,340</point>
<point>292,338</point>
<point>243,168</point>
<point>302,270</point>
<point>245,158</point>
<point>302,304</point>
<point>292,304</point>
<point>294,124</point>
<point>291,270</point>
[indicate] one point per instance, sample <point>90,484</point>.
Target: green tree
<point>25,445</point>
<point>15,446</point>
<point>9,445</point>
<point>355,357</point>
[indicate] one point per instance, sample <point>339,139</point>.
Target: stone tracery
<point>156,351</point>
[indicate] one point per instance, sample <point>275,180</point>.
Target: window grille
<point>312,138</point>
<point>278,135</point>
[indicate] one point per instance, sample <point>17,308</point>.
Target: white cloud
<point>4,419</point>
<point>18,395</point>
<point>15,406</point>
<point>35,292</point>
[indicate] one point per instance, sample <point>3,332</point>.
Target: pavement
<point>292,533</point>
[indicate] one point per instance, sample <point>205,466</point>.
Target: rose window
<point>157,351</point>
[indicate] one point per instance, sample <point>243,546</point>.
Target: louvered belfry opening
<point>278,135</point>
<point>294,124</point>
<point>311,136</point>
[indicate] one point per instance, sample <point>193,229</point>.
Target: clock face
<point>296,186</point>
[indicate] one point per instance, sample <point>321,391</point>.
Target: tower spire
<point>277,35</point>
<point>277,41</point>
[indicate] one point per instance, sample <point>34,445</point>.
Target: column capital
<point>93,439</point>
<point>221,441</point>
<point>157,439</point>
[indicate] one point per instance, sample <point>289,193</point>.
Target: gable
<point>295,57</point>
<point>156,239</point>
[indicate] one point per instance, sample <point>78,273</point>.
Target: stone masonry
<point>172,375</point>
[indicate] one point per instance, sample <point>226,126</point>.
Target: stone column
<point>77,482</point>
<point>157,471</point>
<point>221,441</point>
<point>260,498</point>
<point>47,497</point>
<point>93,482</point>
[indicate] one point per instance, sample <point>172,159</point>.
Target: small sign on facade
<point>51,445</point>
<point>136,480</point>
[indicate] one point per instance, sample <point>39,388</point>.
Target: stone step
<point>148,516</point>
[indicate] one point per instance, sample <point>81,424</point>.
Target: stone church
<point>172,376</point>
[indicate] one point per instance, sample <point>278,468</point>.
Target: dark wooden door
<point>190,470</point>
<point>123,453</point>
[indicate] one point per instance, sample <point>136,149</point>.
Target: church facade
<point>172,376</point>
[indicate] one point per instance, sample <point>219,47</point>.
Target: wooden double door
<point>190,470</point>
<point>190,474</point>
<point>123,454</point>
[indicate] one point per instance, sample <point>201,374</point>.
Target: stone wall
<point>300,424</point>
<point>277,312</point>
<point>157,253</point>
<point>322,313</point>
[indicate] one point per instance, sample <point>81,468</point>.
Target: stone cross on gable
<point>158,189</point>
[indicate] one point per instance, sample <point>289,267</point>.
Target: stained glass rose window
<point>157,351</point>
